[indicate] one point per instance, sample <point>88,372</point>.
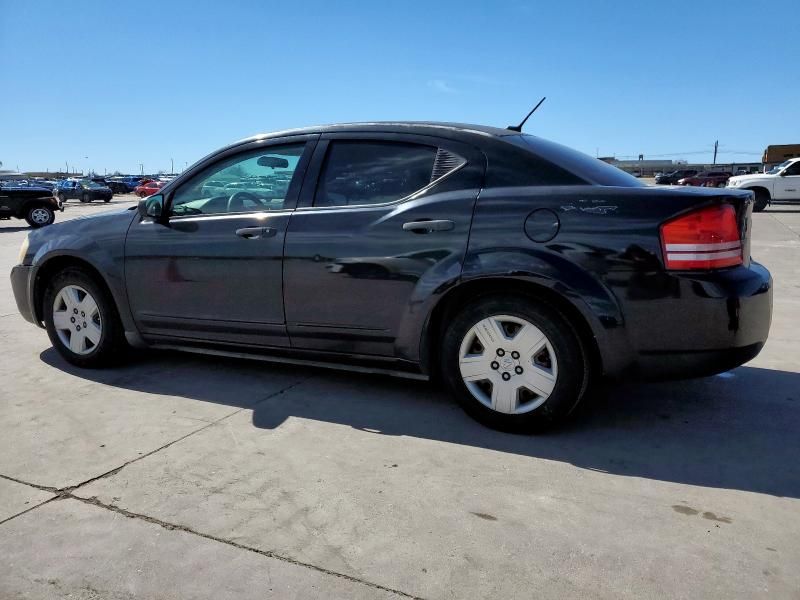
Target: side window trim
<point>317,163</point>
<point>295,187</point>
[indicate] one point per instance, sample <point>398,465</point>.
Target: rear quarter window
<point>581,167</point>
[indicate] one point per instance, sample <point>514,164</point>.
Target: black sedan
<point>514,269</point>
<point>672,177</point>
<point>84,190</point>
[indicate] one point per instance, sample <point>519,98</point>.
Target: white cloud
<point>441,86</point>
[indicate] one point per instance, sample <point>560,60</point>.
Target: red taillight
<point>704,239</point>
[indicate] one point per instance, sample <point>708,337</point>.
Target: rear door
<point>213,271</point>
<point>383,220</point>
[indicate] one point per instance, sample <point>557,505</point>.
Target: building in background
<point>777,153</point>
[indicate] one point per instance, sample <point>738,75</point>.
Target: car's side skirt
<point>292,360</point>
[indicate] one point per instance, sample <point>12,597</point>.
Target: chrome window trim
<point>412,196</point>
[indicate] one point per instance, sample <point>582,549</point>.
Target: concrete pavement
<point>180,476</point>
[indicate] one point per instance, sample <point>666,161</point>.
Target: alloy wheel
<point>40,216</point>
<point>508,364</point>
<point>76,319</point>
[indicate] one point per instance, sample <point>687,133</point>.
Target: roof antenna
<point>518,128</point>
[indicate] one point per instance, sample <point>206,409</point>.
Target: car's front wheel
<point>82,320</point>
<point>39,216</point>
<point>514,364</point>
<point>85,198</point>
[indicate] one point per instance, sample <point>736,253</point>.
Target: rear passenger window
<point>362,172</point>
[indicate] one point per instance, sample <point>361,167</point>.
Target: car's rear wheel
<point>39,216</point>
<point>82,320</point>
<point>762,200</point>
<point>514,364</point>
<point>62,198</point>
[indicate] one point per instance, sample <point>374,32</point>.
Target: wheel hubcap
<point>508,364</point>
<point>76,318</point>
<point>40,216</point>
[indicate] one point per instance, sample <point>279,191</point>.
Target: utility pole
<point>171,167</point>
<point>716,145</point>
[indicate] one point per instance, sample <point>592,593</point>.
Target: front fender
<point>98,242</point>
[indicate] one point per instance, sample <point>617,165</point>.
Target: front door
<point>213,271</point>
<point>386,224</point>
<point>787,186</point>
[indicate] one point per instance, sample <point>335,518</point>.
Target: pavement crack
<point>93,501</point>
<point>116,470</point>
<point>43,488</point>
<point>29,509</point>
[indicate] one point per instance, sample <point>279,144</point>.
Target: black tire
<point>86,198</point>
<point>62,198</point>
<point>570,354</point>
<point>112,345</point>
<point>106,199</point>
<point>762,200</point>
<point>34,215</point>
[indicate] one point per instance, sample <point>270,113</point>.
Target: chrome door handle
<point>429,226</point>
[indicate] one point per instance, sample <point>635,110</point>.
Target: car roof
<point>418,127</point>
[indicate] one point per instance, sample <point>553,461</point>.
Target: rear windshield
<point>580,164</point>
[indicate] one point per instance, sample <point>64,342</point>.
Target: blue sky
<point>125,83</point>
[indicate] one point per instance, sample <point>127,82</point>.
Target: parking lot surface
<point>181,476</point>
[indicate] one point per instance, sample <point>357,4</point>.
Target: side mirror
<point>152,207</point>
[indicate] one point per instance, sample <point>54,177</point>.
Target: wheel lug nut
<point>72,319</point>
<point>75,310</point>
<point>495,365</point>
<point>501,352</point>
<point>515,355</point>
<point>84,324</point>
<point>83,314</point>
<point>78,327</point>
<point>518,370</point>
<point>506,376</point>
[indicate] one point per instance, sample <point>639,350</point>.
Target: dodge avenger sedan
<point>513,269</point>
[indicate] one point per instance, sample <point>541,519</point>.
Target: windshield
<point>92,185</point>
<point>780,167</point>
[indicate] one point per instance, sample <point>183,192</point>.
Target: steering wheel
<point>236,201</point>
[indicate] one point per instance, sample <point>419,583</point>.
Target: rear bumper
<point>693,325</point>
<point>22,287</point>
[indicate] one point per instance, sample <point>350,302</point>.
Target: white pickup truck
<point>779,183</point>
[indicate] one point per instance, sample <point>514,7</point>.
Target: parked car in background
<point>672,177</point>
<point>706,179</point>
<point>124,185</point>
<point>37,205</point>
<point>117,186</point>
<point>781,183</point>
<point>84,190</point>
<point>516,270</point>
<point>148,189</point>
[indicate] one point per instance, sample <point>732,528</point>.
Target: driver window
<point>793,169</point>
<point>254,181</point>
